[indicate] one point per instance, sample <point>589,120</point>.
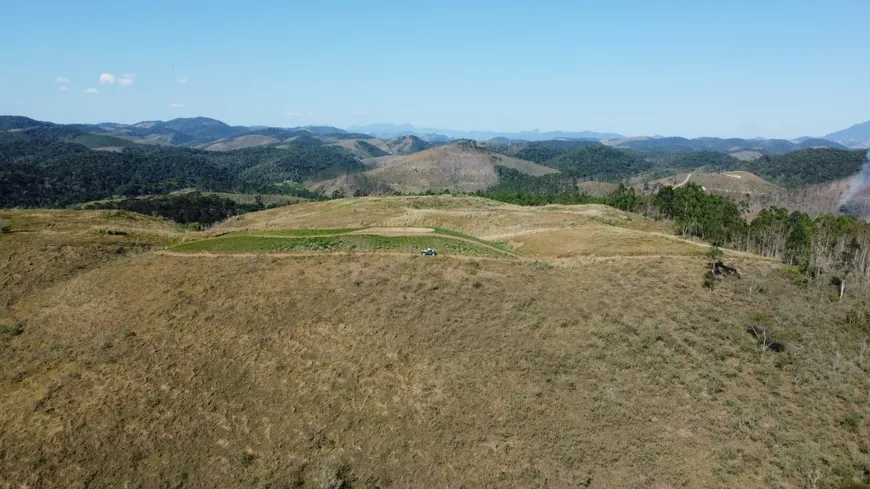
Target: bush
<point>5,226</point>
<point>334,475</point>
<point>709,281</point>
<point>10,329</point>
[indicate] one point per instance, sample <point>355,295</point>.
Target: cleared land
<point>734,183</point>
<point>449,167</point>
<point>602,364</point>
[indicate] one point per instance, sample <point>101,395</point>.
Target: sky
<point>740,68</point>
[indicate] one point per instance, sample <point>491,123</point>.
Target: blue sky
<point>739,68</point>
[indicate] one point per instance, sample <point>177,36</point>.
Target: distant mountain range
<point>730,145</point>
<point>856,137</point>
<point>426,133</point>
<point>214,135</point>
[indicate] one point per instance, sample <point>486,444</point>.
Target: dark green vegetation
<point>806,166</point>
<point>372,150</point>
<point>56,174</point>
<point>64,134</point>
<point>300,232</point>
<point>344,243</point>
<point>187,208</point>
<point>593,161</point>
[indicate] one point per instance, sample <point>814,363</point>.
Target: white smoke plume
<point>859,182</point>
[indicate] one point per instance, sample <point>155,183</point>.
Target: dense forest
<point>35,173</point>
<point>805,167</point>
<point>590,160</point>
<point>187,208</point>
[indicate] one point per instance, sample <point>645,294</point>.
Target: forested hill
<point>585,160</point>
<point>36,173</point>
<point>804,167</point>
<point>45,165</point>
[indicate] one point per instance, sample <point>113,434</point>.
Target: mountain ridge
<point>857,136</point>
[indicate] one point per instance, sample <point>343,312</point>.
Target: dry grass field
<point>596,360</point>
<point>732,183</point>
<point>450,167</point>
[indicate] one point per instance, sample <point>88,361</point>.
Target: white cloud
<point>62,80</point>
<point>92,91</point>
<point>63,88</point>
<point>107,79</point>
<point>294,114</point>
<point>176,106</point>
<point>126,80</point>
<point>182,81</point>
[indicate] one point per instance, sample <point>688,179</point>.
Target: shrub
<point>765,341</point>
<point>715,253</point>
<point>5,226</point>
<point>246,459</point>
<point>709,281</point>
<point>112,232</point>
<point>10,329</point>
<point>334,475</point>
<point>852,421</point>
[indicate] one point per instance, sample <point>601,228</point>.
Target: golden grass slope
<point>450,167</point>
<point>608,367</point>
<point>49,246</point>
<point>734,183</point>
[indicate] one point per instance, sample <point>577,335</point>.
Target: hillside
<point>600,163</point>
<point>586,355</point>
<point>363,149</point>
<point>57,174</point>
<point>452,167</point>
<point>730,145</point>
<point>736,183</point>
<point>406,145</point>
<point>857,136</point>
<point>808,166</point>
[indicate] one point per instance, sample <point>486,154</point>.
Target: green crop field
<point>347,243</point>
<point>299,232</point>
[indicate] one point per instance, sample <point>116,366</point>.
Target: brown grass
<point>48,246</point>
<point>385,371</point>
<point>445,167</point>
<point>732,183</point>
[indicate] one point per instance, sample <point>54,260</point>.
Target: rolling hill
<point>395,130</point>
<point>734,183</point>
<point>311,346</point>
<point>454,167</point>
<point>406,145</point>
<point>684,145</point>
<point>50,133</point>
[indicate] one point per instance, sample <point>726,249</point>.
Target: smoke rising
<point>859,182</point>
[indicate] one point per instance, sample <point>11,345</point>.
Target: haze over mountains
<point>857,136</point>
<point>203,132</point>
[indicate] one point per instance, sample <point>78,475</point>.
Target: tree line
<point>57,174</point>
<point>827,244</point>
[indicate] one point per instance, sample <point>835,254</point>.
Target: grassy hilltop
<point>312,346</point>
